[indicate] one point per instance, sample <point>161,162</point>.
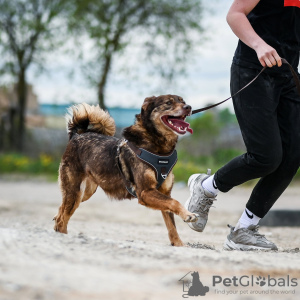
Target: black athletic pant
<point>268,112</point>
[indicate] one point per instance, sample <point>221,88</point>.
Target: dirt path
<point>120,250</point>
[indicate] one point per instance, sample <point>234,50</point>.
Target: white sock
<point>210,185</point>
<point>247,218</point>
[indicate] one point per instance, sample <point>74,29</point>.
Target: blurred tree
<point>205,126</point>
<point>28,28</point>
<point>215,132</point>
<point>227,117</point>
<point>167,29</point>
<point>206,129</point>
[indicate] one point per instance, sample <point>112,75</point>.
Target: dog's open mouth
<point>177,124</point>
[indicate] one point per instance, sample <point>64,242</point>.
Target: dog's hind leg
<point>172,231</point>
<point>90,189</point>
<point>73,190</point>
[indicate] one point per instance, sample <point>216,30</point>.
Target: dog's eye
<point>170,102</point>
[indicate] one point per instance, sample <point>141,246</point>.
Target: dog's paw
<point>178,243</point>
<point>59,225</point>
<point>191,218</point>
<point>60,229</point>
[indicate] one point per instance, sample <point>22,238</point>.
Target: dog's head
<point>166,114</point>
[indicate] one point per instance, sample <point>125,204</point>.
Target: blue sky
<point>207,77</point>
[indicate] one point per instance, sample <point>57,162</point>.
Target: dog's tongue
<point>182,125</point>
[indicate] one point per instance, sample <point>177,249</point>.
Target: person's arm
<point>242,28</point>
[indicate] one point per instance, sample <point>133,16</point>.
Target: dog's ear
<point>148,102</point>
<point>147,108</point>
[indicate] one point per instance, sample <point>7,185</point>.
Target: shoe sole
<point>230,245</point>
<point>187,203</point>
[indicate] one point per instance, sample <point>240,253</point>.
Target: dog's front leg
<point>172,231</point>
<point>152,198</point>
<point>156,200</point>
<point>149,196</point>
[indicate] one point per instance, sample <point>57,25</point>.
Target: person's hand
<point>268,56</point>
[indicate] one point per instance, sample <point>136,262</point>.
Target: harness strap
<point>295,76</point>
<point>127,182</point>
<point>161,164</point>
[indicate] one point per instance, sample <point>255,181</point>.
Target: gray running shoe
<point>200,200</point>
<point>245,239</point>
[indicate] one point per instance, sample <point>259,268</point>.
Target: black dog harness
<point>162,165</point>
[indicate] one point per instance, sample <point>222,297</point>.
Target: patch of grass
<point>187,165</point>
<point>18,163</point>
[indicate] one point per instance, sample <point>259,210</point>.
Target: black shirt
<point>277,22</point>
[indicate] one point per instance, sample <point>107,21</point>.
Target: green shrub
<point>185,167</point>
<point>17,163</point>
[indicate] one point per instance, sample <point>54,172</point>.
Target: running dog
<point>94,157</point>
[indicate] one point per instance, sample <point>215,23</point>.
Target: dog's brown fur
<point>90,160</point>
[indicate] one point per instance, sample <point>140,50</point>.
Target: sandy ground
<point>120,250</point>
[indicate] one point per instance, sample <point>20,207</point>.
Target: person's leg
<point>270,187</point>
<point>243,236</point>
<point>255,109</point>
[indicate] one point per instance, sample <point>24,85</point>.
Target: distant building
<point>8,104</point>
<point>9,98</point>
<point>4,99</point>
<point>123,116</point>
<point>38,114</point>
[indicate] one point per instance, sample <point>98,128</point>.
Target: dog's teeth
<point>170,122</point>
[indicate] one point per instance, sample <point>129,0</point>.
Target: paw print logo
<point>261,281</point>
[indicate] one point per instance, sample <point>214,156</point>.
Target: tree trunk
<point>103,81</point>
<point>2,132</point>
<point>21,109</point>
<point>12,138</point>
<point>101,96</point>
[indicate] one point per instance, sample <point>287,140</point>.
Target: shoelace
<point>208,203</point>
<point>255,231</point>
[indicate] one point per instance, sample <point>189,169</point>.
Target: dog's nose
<point>187,107</point>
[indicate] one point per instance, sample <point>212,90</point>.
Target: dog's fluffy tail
<point>83,117</point>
